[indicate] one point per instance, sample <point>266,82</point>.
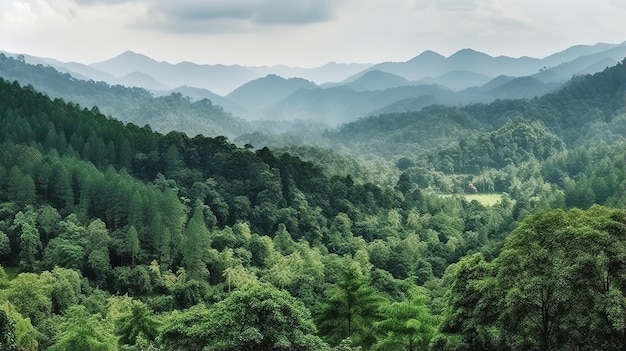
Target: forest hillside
<point>505,232</point>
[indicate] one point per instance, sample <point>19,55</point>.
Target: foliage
<point>559,276</point>
<point>350,309</point>
<point>82,331</point>
<point>258,317</point>
<point>115,236</point>
<point>407,324</point>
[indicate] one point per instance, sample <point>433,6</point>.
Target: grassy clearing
<point>484,199</point>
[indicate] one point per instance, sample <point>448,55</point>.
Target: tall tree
<point>406,325</point>
<point>81,331</point>
<point>350,308</point>
<point>196,246</point>
<point>257,317</point>
<point>138,323</point>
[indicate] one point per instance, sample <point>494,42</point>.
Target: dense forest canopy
<point>114,236</point>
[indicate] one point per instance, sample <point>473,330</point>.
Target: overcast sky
<point>303,32</point>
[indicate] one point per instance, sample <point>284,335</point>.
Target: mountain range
<point>336,93</point>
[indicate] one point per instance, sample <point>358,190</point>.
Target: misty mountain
<point>521,88</point>
<point>585,109</point>
<point>330,72</point>
<point>432,64</point>
<point>582,65</point>
<point>196,94</point>
<point>342,104</point>
<point>494,83</point>
<point>173,112</point>
<point>505,87</point>
<point>139,79</point>
<point>378,80</point>
<point>577,51</point>
<point>263,92</point>
<point>458,80</point>
<point>407,105</point>
<point>221,79</point>
<point>217,78</point>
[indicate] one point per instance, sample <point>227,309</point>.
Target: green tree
<point>30,244</point>
<point>97,250</point>
<point>407,324</point>
<point>5,244</point>
<point>26,335</point>
<point>471,307</point>
<point>30,293</point>
<point>257,317</point>
<point>196,246</point>
<point>66,289</point>
<point>20,187</point>
<point>81,331</point>
<point>132,239</point>
<point>350,308</point>
<point>7,331</point>
<point>138,323</point>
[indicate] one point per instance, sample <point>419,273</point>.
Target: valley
<point>467,202</point>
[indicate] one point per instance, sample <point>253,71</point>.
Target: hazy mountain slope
<point>432,64</point>
<point>134,105</point>
<point>519,88</point>
<point>196,94</point>
<point>218,78</point>
<point>459,80</point>
<point>343,104</point>
<point>140,80</point>
<point>378,80</point>
<point>582,65</point>
<point>330,72</point>
<point>266,91</point>
<point>579,112</point>
<point>221,79</point>
<point>79,70</point>
<point>577,51</point>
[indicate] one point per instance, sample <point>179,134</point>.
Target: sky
<point>305,33</point>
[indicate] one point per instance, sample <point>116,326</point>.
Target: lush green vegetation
<point>115,237</point>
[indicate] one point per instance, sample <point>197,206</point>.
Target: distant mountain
<point>79,70</point>
<point>432,64</point>
<point>577,51</point>
<point>505,87</point>
<point>173,112</point>
<point>263,92</point>
<point>343,104</point>
<point>197,94</point>
<point>458,80</point>
<point>585,109</point>
<point>583,65</point>
<point>138,79</point>
<point>378,80</point>
<point>221,79</point>
<point>523,87</point>
<point>496,82</point>
<point>407,105</point>
<point>330,72</point>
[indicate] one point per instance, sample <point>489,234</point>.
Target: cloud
<point>446,5</point>
<point>199,16</point>
<point>101,2</point>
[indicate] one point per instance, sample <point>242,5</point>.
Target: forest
<point>117,237</point>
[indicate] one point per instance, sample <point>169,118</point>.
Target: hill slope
<point>134,105</point>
